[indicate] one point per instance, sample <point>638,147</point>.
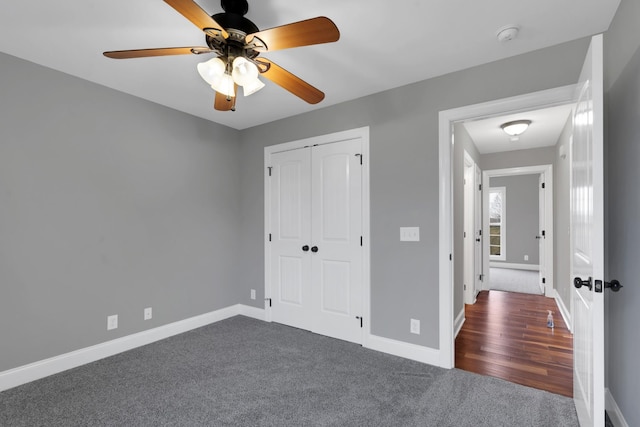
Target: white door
<point>541,234</point>
<point>290,234</point>
<point>315,227</point>
<point>336,230</point>
<point>478,230</point>
<point>587,241</point>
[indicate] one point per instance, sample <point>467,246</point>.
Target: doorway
<point>538,100</point>
<point>529,193</point>
<point>504,333</point>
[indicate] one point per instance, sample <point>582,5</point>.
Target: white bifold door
<point>315,226</point>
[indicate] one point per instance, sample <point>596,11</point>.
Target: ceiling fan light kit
<point>238,42</point>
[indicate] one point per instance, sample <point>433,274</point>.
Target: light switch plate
<point>409,234</point>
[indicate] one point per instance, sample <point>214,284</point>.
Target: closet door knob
<point>305,248</point>
<point>314,249</point>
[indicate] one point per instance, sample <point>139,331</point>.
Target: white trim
<point>564,312</point>
<point>43,368</point>
<point>446,120</point>
<point>503,224</point>
<point>459,322</point>
<point>614,412</point>
<point>415,352</point>
<point>532,267</point>
<point>358,133</point>
<point>253,312</point>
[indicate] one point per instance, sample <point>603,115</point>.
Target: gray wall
<point>622,70</point>
<point>404,176</point>
<point>522,217</point>
<point>518,158</point>
<point>462,142</point>
<point>561,214</point>
<point>108,204</point>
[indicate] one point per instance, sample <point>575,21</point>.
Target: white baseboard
<point>533,267</point>
<point>613,410</point>
<point>43,368</point>
<point>566,316</point>
<point>402,349</point>
<point>254,312</point>
<point>459,322</point>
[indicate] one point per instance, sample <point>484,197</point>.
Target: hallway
<point>505,335</point>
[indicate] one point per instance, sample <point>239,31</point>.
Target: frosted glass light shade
<point>516,127</point>
<point>244,72</point>
<point>252,87</point>
<point>224,84</point>
<point>211,70</point>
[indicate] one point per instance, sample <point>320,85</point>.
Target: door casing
<point>447,119</point>
<point>546,264</point>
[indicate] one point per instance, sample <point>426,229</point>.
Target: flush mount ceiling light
<point>516,127</point>
<point>237,43</point>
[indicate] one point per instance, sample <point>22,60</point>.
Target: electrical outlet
<point>148,313</point>
<point>253,294</point>
<point>415,326</point>
<point>112,322</point>
<point>526,257</point>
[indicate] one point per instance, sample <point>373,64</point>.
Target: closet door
<point>336,218</point>
<point>316,229</point>
<point>291,238</point>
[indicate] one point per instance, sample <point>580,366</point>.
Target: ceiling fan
<point>238,42</point>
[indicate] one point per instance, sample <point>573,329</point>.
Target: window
<point>497,220</point>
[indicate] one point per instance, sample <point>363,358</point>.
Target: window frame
<point>502,224</point>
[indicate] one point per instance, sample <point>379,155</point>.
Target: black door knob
<point>314,249</point>
<point>305,248</point>
<point>578,283</point>
<point>614,285</point>
<point>477,240</point>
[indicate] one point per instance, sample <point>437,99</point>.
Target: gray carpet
<point>244,372</point>
<point>512,280</point>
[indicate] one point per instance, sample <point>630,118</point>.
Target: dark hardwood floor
<point>505,335</point>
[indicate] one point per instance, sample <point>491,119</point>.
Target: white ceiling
<point>545,129</point>
<point>383,44</point>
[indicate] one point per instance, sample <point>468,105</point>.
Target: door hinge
<point>543,185</point>
<point>269,167</point>
<point>544,280</point>
<point>361,319</point>
<point>464,234</point>
<point>360,240</point>
<point>269,236</point>
<point>482,277</point>
<point>480,187</point>
<point>450,257</point>
<point>479,232</point>
<point>268,299</point>
<point>543,234</point>
<point>361,156</point>
<point>465,287</point>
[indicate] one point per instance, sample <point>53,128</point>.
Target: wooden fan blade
<point>303,33</point>
<point>164,51</point>
<point>222,104</point>
<point>197,16</point>
<point>291,82</point>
